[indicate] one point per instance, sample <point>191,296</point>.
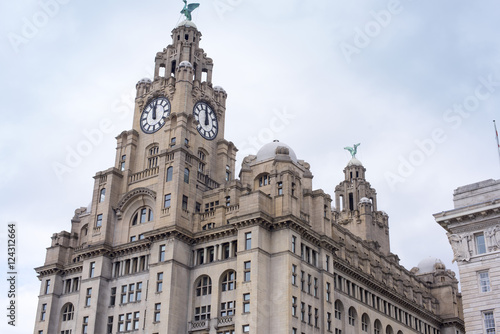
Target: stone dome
<point>185,63</point>
<point>354,162</point>
<point>219,89</point>
<point>144,80</point>
<point>187,23</point>
<point>430,265</point>
<point>365,200</point>
<point>270,150</point>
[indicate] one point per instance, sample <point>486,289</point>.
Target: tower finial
<point>353,150</point>
<point>188,9</point>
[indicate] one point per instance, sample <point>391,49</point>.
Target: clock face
<point>154,115</point>
<point>207,120</point>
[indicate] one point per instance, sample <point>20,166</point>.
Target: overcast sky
<point>417,83</point>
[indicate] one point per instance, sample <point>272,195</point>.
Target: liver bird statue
<point>353,150</point>
<point>188,9</point>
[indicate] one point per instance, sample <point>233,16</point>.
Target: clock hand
<point>206,117</point>
<point>154,110</point>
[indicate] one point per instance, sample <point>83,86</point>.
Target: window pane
<point>480,244</point>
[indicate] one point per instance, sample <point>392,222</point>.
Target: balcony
<point>199,325</point>
<point>225,321</point>
<point>147,173</point>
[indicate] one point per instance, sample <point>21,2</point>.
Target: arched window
<point>365,323</point>
<point>264,180</point>
<point>229,281</point>
<point>170,172</point>
<point>338,310</point>
<point>153,157</point>
<point>102,195</point>
<point>67,312</point>
<point>143,215</point>
<point>352,316</point>
<point>389,330</point>
<point>377,327</point>
<point>208,226</point>
<point>204,286</point>
<point>186,175</point>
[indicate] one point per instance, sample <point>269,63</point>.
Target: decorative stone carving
<point>460,246</point>
<point>493,237</point>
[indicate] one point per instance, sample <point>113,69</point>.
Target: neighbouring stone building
<point>473,228</point>
<point>175,242</point>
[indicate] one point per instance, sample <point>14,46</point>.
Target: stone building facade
<point>473,228</point>
<point>174,242</point>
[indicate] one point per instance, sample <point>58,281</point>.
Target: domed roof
<point>144,80</point>
<point>187,23</point>
<point>185,63</point>
<point>430,265</point>
<point>219,89</point>
<point>270,150</point>
<point>365,200</point>
<point>354,162</point>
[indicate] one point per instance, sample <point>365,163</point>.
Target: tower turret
<point>356,206</point>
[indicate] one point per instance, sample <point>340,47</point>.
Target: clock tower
<point>178,131</point>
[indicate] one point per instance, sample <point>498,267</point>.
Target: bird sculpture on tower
<point>353,150</point>
<point>188,9</point>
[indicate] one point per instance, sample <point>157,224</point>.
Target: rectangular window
<point>92,269</point>
<point>128,322</point>
<point>294,274</point>
<point>302,280</point>
<point>248,266</point>
<point>315,294</point>
<point>328,291</point>
<point>138,292</point>
<point>294,243</point>
<point>99,221</point>
<point>280,188</point>
<point>489,322</point>
<point>88,297</point>
<point>303,312</point>
<point>110,325</point>
<point>85,325</point>
<point>294,306</point>
<point>112,298</point>
<point>327,267</point>
<point>309,284</point>
<point>157,312</point>
<point>135,321</point>
<point>47,286</point>
<point>248,240</point>
<point>159,282</point>
<point>246,328</point>
<point>246,303</point>
<point>480,243</point>
<point>202,313</point>
<point>309,314</point>
<point>484,282</point>
<point>121,323</point>
<point>184,202</point>
<point>197,207</point>
<point>316,317</point>
<point>122,163</point>
<point>123,296</point>
<point>168,197</point>
<point>161,256</point>
<point>172,141</point>
<point>227,309</point>
<point>328,321</point>
<point>43,312</point>
<point>131,289</point>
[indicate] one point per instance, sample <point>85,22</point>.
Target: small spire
<point>188,9</point>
